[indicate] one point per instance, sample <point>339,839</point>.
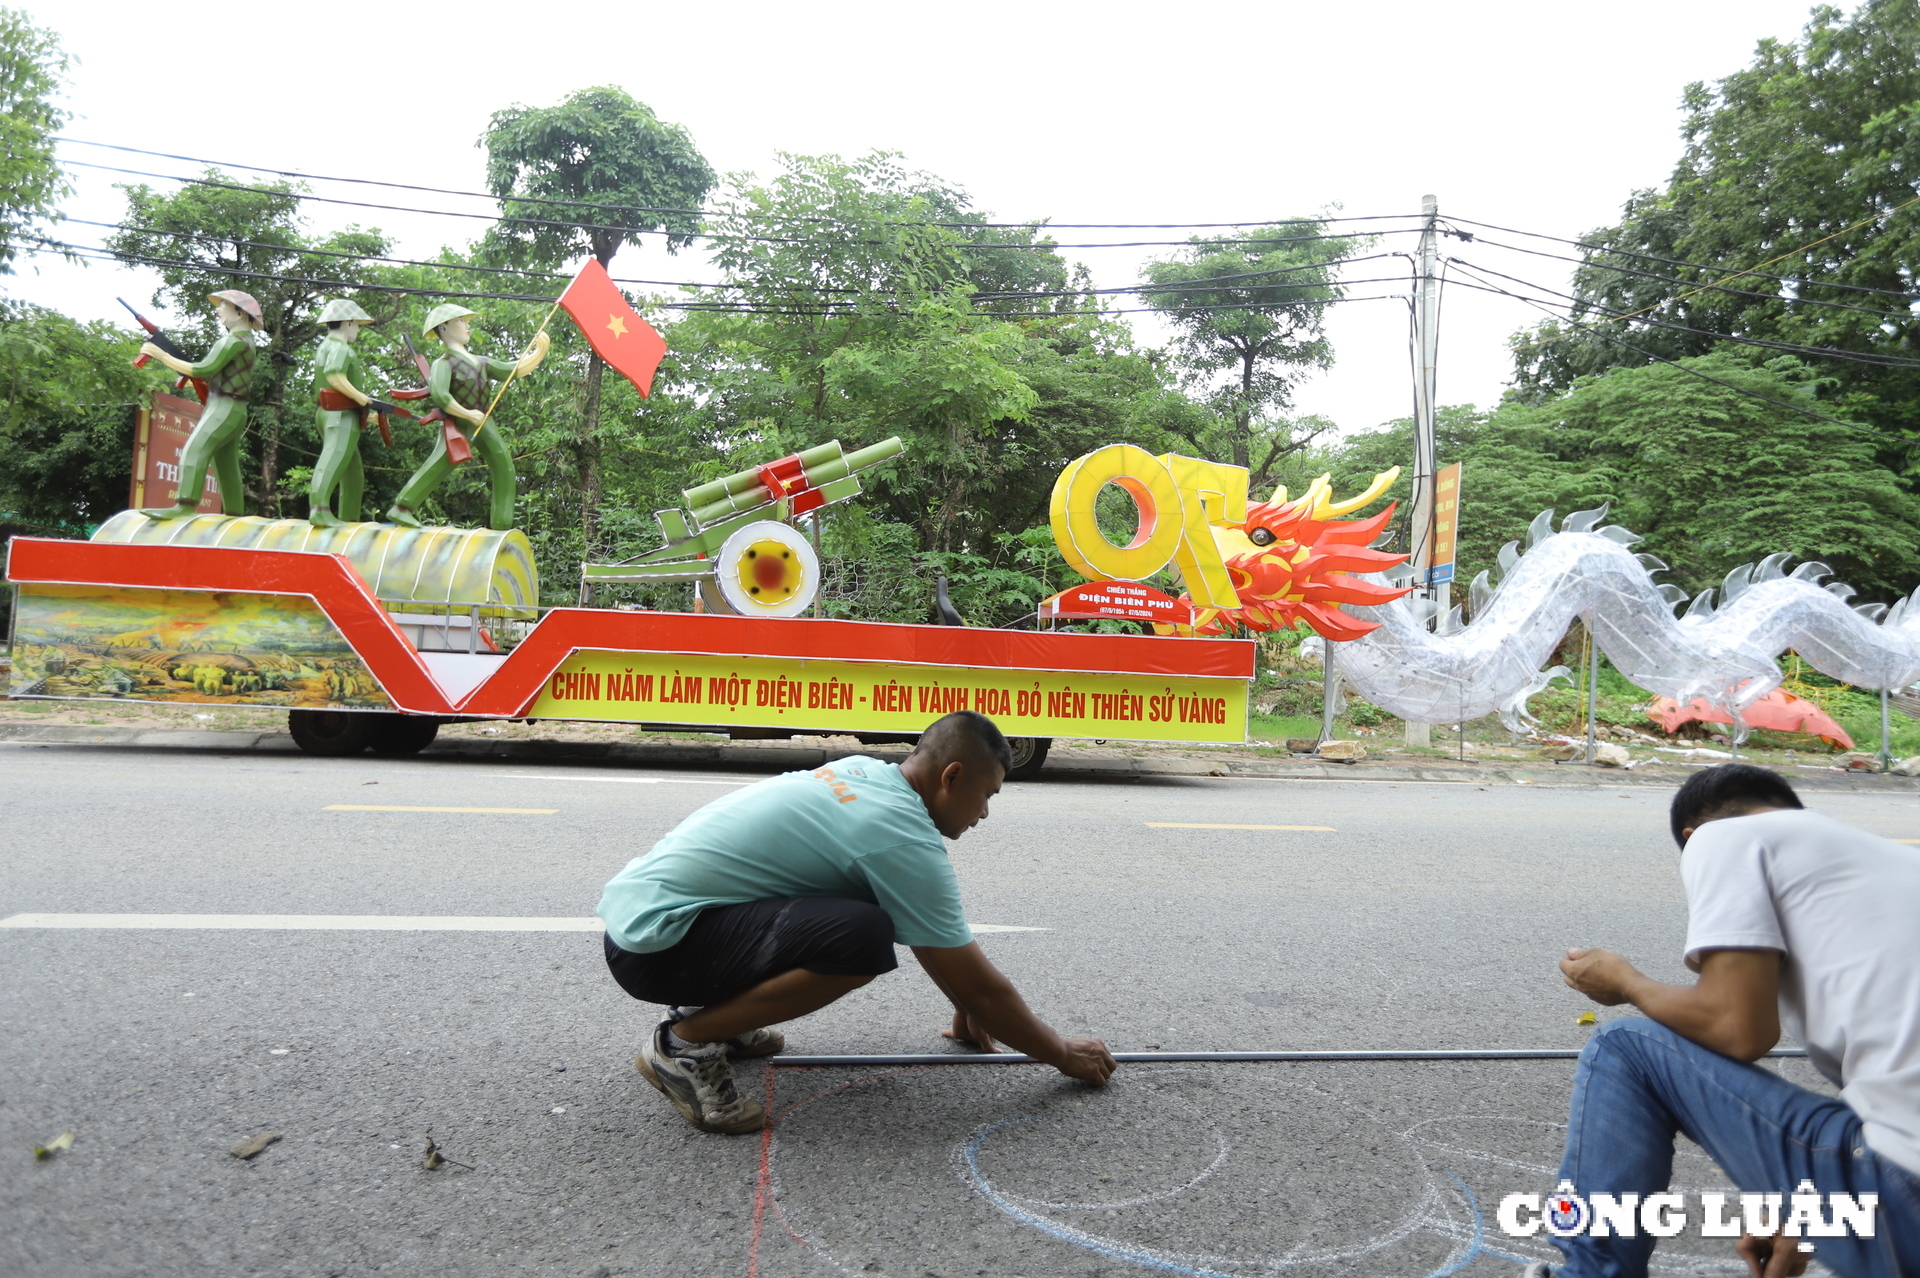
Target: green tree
<point>1801,166</point>
<point>1713,478</point>
<point>594,173</point>
<point>876,301</point>
<point>206,237</point>
<point>68,394</point>
<point>1249,310</point>
<point>32,71</point>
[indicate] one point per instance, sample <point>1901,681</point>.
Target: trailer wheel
<point>395,734</point>
<point>1028,754</point>
<point>330,732</point>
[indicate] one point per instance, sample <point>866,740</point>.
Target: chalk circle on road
<point>1182,1170</point>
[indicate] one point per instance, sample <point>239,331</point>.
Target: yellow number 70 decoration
<point>1179,499</point>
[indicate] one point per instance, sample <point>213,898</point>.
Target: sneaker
<point>1538,1269</point>
<point>699,1082</point>
<point>759,1042</point>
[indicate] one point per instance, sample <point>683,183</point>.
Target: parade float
<point>372,633</point>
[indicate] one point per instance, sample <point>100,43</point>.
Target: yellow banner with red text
<point>826,696</point>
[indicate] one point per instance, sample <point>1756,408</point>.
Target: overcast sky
<point>1542,117</point>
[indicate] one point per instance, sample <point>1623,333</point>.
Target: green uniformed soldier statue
<point>339,416</point>
<point>228,372</point>
<point>459,388</point>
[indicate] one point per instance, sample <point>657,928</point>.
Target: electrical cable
<point>97,253</point>
<point>771,217</point>
<point>1884,315</point>
<point>1698,266</point>
<point>1909,441</point>
<point>1640,317</point>
<point>700,235</point>
<point>1191,285</point>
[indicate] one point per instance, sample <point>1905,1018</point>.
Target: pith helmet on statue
<point>245,302</point>
<point>444,312</point>
<point>340,310</point>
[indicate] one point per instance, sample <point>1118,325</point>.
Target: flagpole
<point>514,371</point>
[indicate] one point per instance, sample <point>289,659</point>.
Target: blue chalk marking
<point>1478,1246</point>
<point>1131,1255</point>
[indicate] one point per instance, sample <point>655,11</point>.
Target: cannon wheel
<point>403,733</point>
<point>330,732</point>
<point>1029,753</point>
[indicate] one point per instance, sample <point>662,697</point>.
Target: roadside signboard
<point>158,440</point>
<point>1446,523</point>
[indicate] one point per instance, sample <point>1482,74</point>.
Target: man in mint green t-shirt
<point>784,896</point>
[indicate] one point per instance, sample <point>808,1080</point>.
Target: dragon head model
<point>1291,561</point>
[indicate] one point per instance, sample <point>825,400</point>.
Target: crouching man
<point>784,896</point>
<point>1794,921</point>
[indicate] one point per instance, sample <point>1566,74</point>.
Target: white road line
<point>541,776</point>
<point>384,807</point>
<point>311,922</point>
<point>1202,825</point>
<point>345,922</point>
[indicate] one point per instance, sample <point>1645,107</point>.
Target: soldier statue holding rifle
<point>227,372</point>
<point>458,383</point>
<point>340,414</point>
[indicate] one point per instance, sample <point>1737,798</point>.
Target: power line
<point>98,253</point>
<point>1693,372</point>
<point>1885,314</point>
<point>1191,285</point>
<point>1798,282</point>
<point>638,208</point>
<point>704,235</point>
<point>1639,317</point>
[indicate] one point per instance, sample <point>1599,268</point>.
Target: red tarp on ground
<point>1778,710</point>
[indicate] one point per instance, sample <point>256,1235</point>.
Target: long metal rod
<point>1157,1058</point>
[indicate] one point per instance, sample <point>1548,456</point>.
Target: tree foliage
<point>32,71</point>
<point>1801,166</point>
<point>68,394</point>
<point>1711,477</point>
<point>1250,313</point>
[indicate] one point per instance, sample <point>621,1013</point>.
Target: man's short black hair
<point>965,734</point>
<point>1727,790</point>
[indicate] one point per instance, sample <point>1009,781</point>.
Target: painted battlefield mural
<point>184,646</point>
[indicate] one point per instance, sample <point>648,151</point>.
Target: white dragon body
<point>1724,655</point>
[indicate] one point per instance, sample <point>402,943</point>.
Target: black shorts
<point>731,948</point>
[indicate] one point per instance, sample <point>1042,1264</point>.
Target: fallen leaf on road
<point>63,1141</point>
<point>248,1148</point>
<point>1586,1018</point>
<point>434,1158</point>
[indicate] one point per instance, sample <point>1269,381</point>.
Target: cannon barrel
<point>822,465</point>
<point>745,481</point>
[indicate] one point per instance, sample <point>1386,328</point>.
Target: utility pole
<point>1426,356</point>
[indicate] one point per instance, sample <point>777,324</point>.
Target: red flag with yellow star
<point>614,328</point>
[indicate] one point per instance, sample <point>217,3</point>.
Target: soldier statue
<point>340,413</point>
<point>227,371</point>
<point>459,384</point>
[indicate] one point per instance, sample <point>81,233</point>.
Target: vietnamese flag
<point>614,329</point>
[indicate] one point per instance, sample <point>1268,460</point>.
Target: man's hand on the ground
<point>987,1007</point>
<point>966,1029</point>
<point>1772,1257</point>
<point>1601,975</point>
<point>1089,1061</point>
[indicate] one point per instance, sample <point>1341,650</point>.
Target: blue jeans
<point>1638,1083</point>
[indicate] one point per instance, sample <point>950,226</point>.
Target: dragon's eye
<point>1261,537</point>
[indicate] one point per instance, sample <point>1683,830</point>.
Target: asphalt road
<point>1425,916</point>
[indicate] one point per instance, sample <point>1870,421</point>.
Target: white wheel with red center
<point>767,570</point>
